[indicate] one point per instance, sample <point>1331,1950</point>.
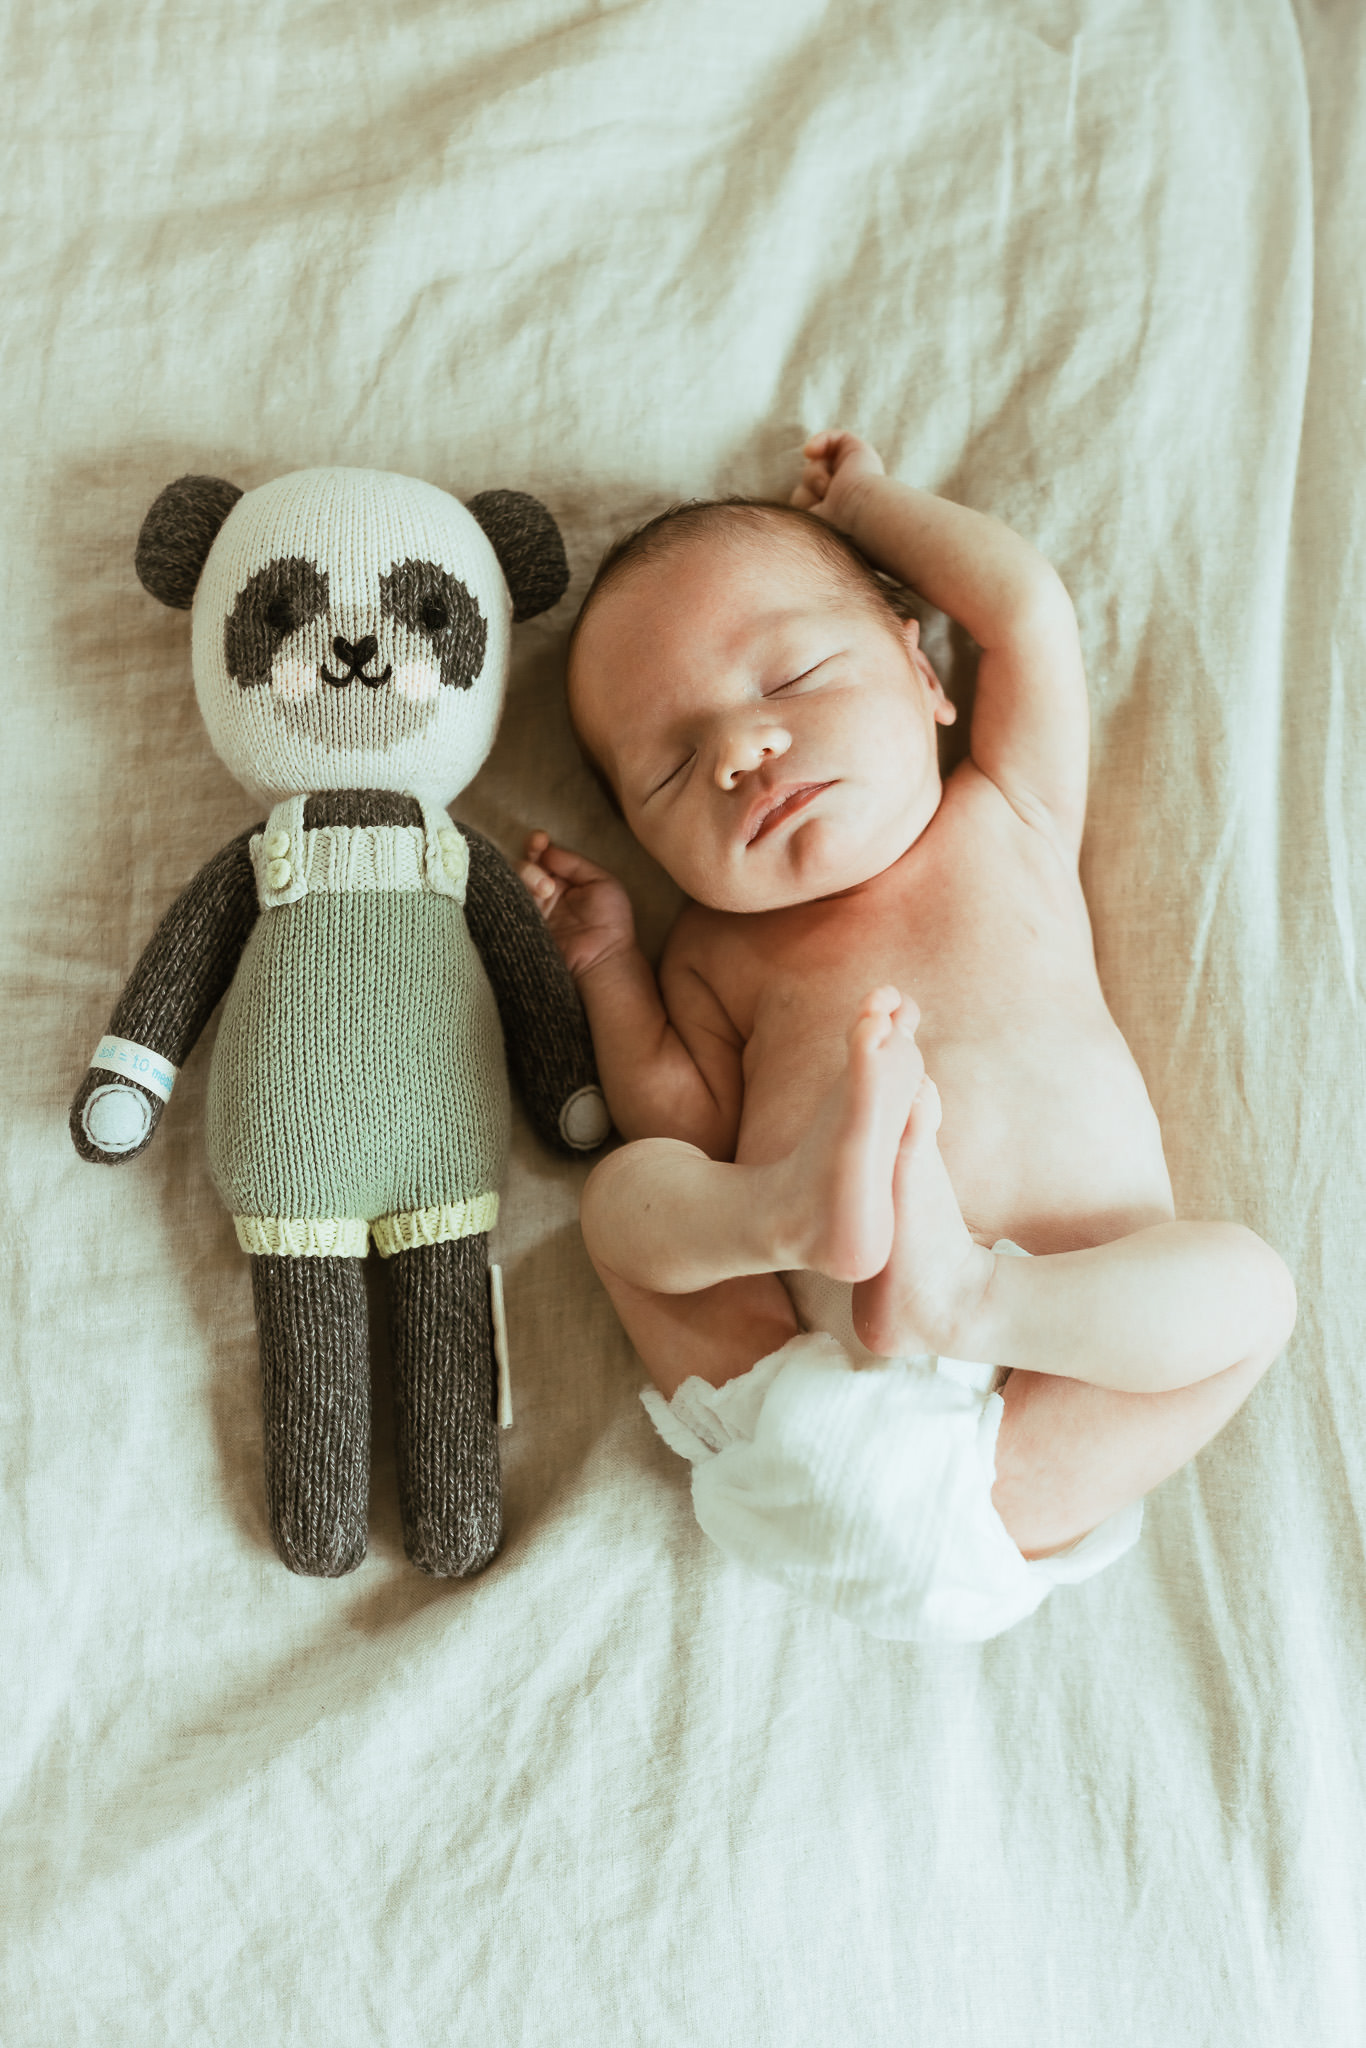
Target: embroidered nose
<point>355,653</point>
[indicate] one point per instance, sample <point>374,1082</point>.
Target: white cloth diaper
<point>864,1485</point>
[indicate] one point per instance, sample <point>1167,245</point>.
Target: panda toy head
<point>350,626</point>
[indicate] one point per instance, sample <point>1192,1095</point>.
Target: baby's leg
<point>1162,1308</point>
<point>1069,1455</point>
<point>714,1335</point>
<point>661,1216</point>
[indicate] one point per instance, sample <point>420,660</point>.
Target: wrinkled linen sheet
<point>1093,265</point>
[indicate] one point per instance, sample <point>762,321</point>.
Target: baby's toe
<point>926,1112</point>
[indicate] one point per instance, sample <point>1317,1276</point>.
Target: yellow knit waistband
<point>413,1227</point>
<point>348,1237</point>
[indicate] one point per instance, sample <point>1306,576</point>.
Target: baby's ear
<point>527,543</point>
<point>181,527</point>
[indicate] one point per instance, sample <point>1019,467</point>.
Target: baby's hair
<point>846,565</point>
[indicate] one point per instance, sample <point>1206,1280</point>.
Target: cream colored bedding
<point>1093,266</point>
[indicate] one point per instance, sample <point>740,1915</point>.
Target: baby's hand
<point>587,910</point>
<point>836,461</point>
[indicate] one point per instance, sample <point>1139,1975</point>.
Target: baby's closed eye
<point>805,675</point>
<point>672,776</point>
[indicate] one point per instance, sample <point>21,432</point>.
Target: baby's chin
<point>810,862</point>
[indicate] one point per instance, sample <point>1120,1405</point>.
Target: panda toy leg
<point>445,1387</point>
<point>315,1374</point>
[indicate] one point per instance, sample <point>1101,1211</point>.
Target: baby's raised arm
<point>1030,725</point>
<point>666,1073</point>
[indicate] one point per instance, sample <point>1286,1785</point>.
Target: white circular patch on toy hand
<point>584,1121</point>
<point>116,1119</point>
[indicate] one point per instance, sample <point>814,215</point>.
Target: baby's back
<point>1048,1133</point>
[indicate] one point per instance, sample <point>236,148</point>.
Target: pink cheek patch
<point>418,681</point>
<point>294,680</point>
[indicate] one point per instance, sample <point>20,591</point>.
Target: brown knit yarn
<point>530,551</point>
<point>549,1050</point>
<point>315,1383</point>
<point>360,807</point>
<point>445,1393</point>
<point>176,536</point>
<point>185,967</point>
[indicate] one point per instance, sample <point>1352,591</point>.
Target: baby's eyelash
<point>672,776</point>
<point>798,679</point>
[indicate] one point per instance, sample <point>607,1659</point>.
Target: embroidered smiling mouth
<point>795,799</point>
<point>345,682</point>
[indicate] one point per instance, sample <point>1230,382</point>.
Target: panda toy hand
<point>113,1119</point>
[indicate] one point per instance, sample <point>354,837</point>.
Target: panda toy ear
<point>527,543</point>
<point>181,527</point>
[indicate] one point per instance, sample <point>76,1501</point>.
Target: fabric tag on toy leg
<point>500,1347</point>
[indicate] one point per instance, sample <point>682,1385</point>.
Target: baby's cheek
<point>418,681</point>
<point>294,680</point>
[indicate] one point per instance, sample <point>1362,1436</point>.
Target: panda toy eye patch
<point>429,601</point>
<point>275,602</point>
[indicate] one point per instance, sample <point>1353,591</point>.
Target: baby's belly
<point>1049,1137</point>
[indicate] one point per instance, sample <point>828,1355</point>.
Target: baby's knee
<point>1282,1306</point>
<point>621,1183</point>
<point>1265,1292</point>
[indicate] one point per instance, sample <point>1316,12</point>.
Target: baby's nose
<point>743,752</point>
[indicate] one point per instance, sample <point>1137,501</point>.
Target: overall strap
<point>290,861</point>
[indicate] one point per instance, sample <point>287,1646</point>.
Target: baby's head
<point>762,714</point>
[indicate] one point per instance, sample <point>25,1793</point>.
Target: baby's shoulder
<point>706,957</point>
<point>699,939</point>
<point>975,819</point>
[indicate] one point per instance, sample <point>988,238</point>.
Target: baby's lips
<point>777,805</point>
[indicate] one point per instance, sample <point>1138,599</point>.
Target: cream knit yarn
<point>387,584</point>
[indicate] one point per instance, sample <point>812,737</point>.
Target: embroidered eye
<point>276,601</point>
<point>422,597</point>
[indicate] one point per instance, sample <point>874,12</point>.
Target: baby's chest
<point>986,961</point>
<point>1045,1115</point>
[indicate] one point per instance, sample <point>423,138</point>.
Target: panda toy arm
<point>166,1002</point>
<point>549,1050</point>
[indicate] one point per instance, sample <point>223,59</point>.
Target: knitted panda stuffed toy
<point>350,638</point>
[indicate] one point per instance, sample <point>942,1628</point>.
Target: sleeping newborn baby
<point>892,1232</point>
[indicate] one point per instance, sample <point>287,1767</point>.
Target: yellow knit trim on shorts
<point>412,1227</point>
<point>304,1237</point>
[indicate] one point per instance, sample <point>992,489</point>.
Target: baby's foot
<point>839,1179</point>
<point>936,1270</point>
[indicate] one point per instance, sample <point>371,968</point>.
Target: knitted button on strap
<point>275,844</point>
<point>278,873</point>
<point>455,854</point>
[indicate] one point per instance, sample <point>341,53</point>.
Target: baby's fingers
<point>544,890</point>
<point>838,446</point>
<point>543,854</point>
<point>813,486</point>
<point>570,867</point>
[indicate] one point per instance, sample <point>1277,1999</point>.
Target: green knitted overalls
<point>358,1082</point>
